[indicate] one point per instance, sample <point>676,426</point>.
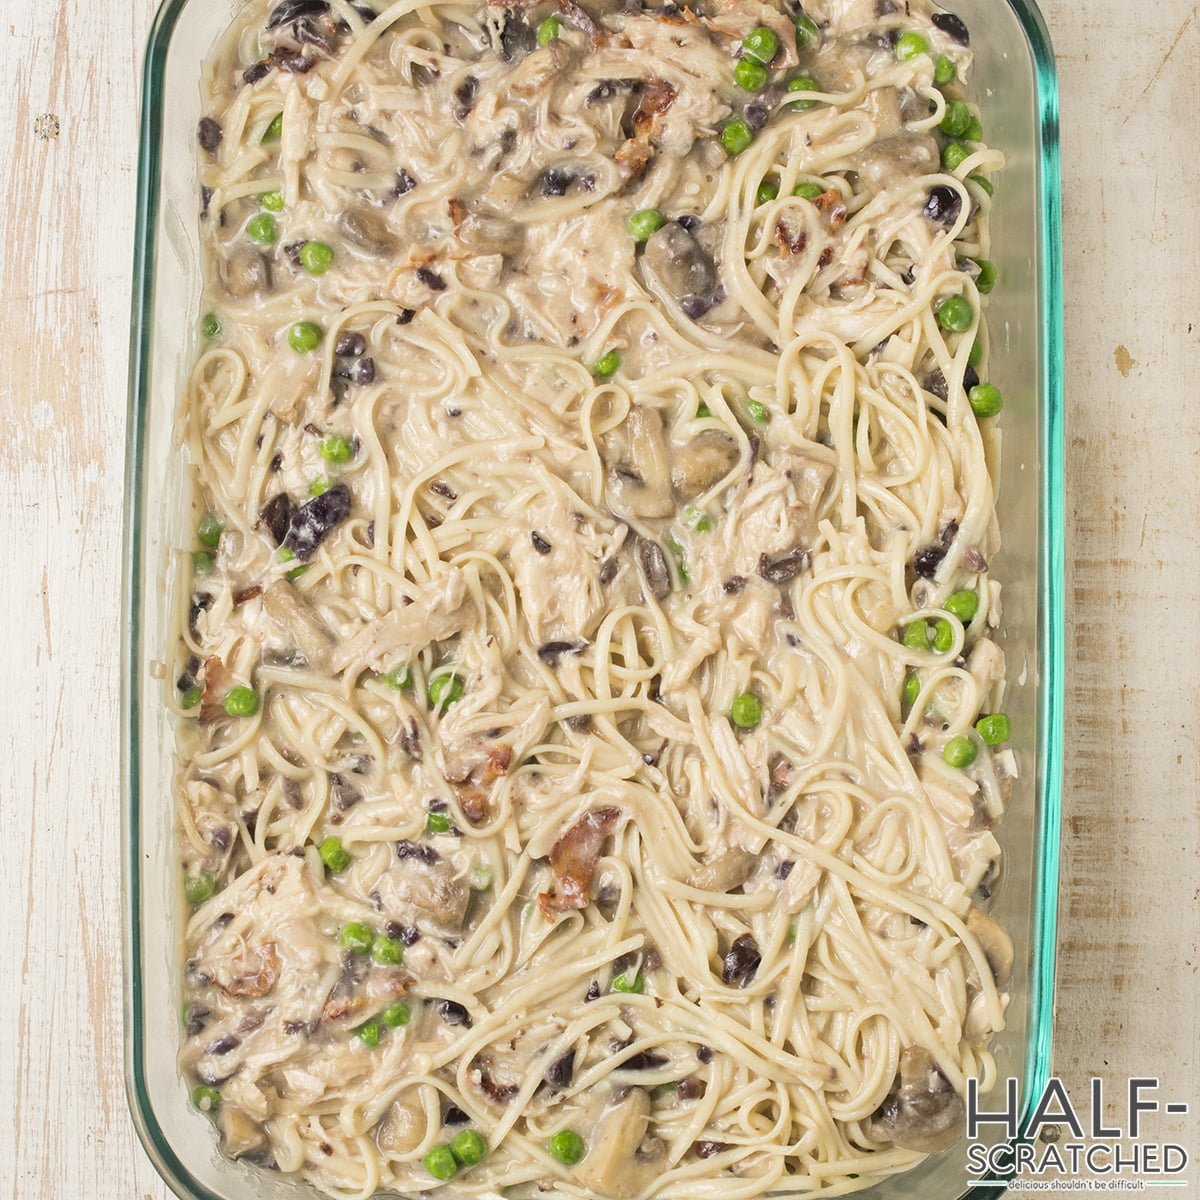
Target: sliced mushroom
<point>997,946</point>
<point>614,1167</point>
<point>702,464</point>
<point>429,885</point>
<point>245,272</point>
<point>922,1112</point>
<point>240,1135</point>
<point>729,869</point>
<point>491,235</point>
<point>894,159</point>
<point>367,228</point>
<point>679,262</point>
<point>639,484</point>
<point>403,1128</point>
<point>656,575</point>
<point>296,627</point>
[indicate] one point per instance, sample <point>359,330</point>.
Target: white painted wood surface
<point>1130,906</point>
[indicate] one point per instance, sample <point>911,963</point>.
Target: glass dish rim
<point>1051,585</point>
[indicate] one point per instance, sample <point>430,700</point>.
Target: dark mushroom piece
<point>680,263</point>
<point>741,962</point>
<point>209,134</point>
<point>922,1112</point>
<point>652,561</point>
<point>517,39</point>
<point>245,273</point>
<point>293,10</point>
<point>314,520</point>
<point>276,515</point>
<point>953,27</point>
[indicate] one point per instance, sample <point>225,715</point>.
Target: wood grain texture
<point>1130,910</point>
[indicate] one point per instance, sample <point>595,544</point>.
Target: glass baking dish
<point>1016,86</point>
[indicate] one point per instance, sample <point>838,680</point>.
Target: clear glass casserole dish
<point>1015,85</point>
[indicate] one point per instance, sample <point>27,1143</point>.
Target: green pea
<point>370,1032</point>
<point>191,697</point>
<point>567,1146</point>
<point>912,689</point>
<point>633,985</point>
<point>758,412</point>
<point>548,31</point>
<point>644,222</point>
<point>761,43</point>
<point>986,399</point>
<point>399,678</point>
<point>397,1015</point>
<point>973,131</point>
<point>985,184</point>
<point>807,33</point>
<point>994,729</point>
<point>963,605</point>
<point>944,70</point>
<point>736,136</point>
<point>206,1099</point>
<point>909,45</point>
<point>917,635</point>
<point>316,257</point>
<point>956,120</point>
<point>272,201</point>
<point>767,191</point>
<point>241,701</point>
<point>262,229</point>
<point>441,1163</point>
<point>286,554</point>
<point>680,557</point>
<point>955,314</point>
<point>199,888</point>
<point>336,449</point>
<point>986,279</point>
<point>469,1147</point>
<point>975,357</point>
<point>274,131</point>
<point>210,325</point>
<point>808,191</point>
<point>803,83</point>
<point>209,530</point>
<point>750,76</point>
<point>203,562</point>
<point>960,752</point>
<point>357,937</point>
<point>943,635</point>
<point>389,952</point>
<point>607,365</point>
<point>437,822</point>
<point>333,854</point>
<point>445,690</point>
<point>305,336</point>
<point>746,711</point>
<point>319,486</point>
<point>954,155</point>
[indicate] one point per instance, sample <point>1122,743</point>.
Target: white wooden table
<point>1128,954</point>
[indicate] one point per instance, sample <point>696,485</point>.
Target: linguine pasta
<point>588,756</point>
